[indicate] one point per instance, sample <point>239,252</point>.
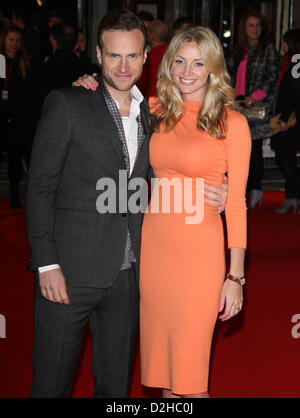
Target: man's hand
<point>216,196</point>
<point>53,286</point>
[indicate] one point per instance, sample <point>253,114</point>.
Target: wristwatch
<point>239,280</point>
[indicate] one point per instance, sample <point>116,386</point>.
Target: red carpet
<point>254,354</point>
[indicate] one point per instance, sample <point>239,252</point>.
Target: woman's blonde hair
<point>212,116</point>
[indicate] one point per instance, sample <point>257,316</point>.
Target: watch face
<point>243,281</point>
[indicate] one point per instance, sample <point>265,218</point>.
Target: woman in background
<point>254,69</point>
<point>14,107</point>
<point>287,141</point>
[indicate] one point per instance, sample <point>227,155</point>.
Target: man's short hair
<point>65,36</point>
<point>123,21</point>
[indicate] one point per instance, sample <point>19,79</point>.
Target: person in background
<point>31,35</point>
<point>2,23</point>
<point>287,141</point>
<point>62,68</point>
<point>80,51</point>
<point>290,46</point>
<point>158,37</point>
<point>181,23</point>
<point>146,17</point>
<point>14,107</point>
<point>54,18</point>
<point>254,69</point>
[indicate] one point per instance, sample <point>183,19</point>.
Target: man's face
<point>122,58</point>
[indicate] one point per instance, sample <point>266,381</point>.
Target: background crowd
<point>38,61</point>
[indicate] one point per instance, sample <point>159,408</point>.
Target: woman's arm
<point>238,149</point>
<point>270,74</point>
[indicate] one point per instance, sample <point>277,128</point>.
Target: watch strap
<point>240,280</point>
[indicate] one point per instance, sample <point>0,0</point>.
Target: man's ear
<point>145,55</point>
<point>99,55</point>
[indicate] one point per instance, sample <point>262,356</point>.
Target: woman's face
<point>285,47</point>
<point>253,29</point>
<point>12,43</point>
<point>189,73</point>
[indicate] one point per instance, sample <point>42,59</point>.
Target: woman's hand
<point>87,81</point>
<point>231,299</point>
<point>217,196</point>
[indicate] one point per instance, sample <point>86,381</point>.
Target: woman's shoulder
<point>236,121</point>
<point>234,116</point>
<point>237,128</point>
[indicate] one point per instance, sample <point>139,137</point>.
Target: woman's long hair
<point>242,42</point>
<point>212,116</point>
<point>292,38</point>
<point>21,57</point>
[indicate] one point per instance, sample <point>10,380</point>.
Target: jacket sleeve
<point>271,72</point>
<point>46,166</point>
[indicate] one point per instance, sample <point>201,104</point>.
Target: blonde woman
<point>182,286</point>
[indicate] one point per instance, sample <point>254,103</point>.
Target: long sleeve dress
<point>183,261</point>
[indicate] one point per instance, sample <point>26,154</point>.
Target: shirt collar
<point>134,93</point>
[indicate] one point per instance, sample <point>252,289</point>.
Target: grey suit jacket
<point>76,144</point>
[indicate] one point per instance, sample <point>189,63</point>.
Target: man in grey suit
<point>86,263</point>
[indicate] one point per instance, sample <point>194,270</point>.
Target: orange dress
<point>183,264</point>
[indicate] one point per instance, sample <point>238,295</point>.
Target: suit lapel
<point>110,131</point>
<point>109,127</point>
<point>145,113</point>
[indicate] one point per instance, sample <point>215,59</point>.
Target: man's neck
<point>123,98</point>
